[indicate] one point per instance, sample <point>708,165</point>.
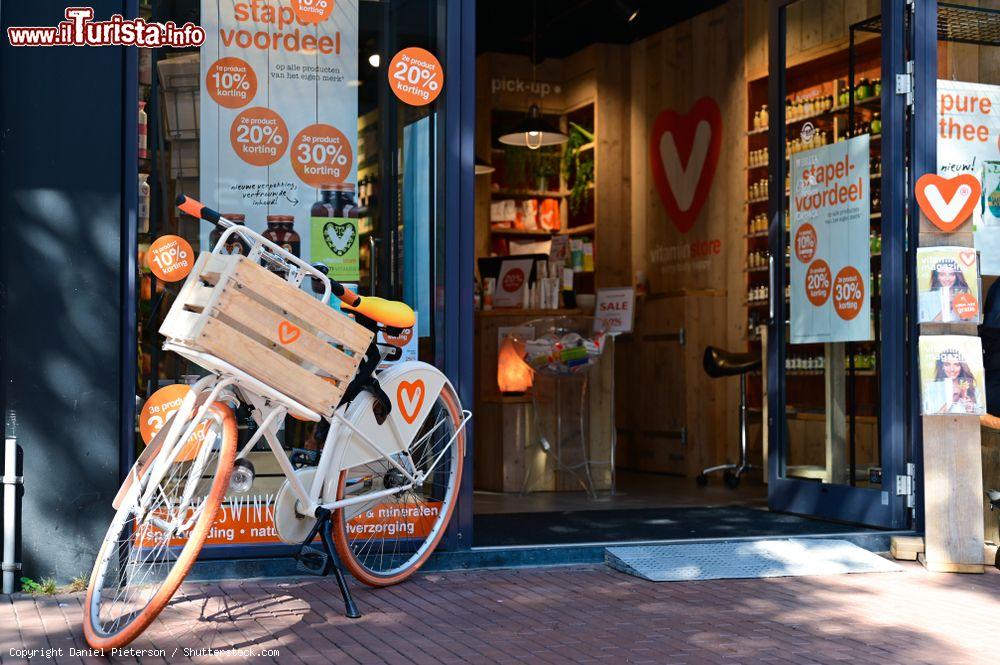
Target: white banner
<point>968,132</point>
<point>279,117</point>
<point>830,246</point>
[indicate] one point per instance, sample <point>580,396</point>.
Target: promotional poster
<point>830,223</point>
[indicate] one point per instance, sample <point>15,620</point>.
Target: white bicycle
<point>378,496</point>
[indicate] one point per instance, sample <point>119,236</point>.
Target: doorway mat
<point>645,524</point>
<point>746,559</point>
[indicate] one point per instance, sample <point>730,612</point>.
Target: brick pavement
<point>558,615</point>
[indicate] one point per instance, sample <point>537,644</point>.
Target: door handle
<point>373,264</point>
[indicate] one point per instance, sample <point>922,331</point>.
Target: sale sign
<point>415,76</point>
<point>170,258</point>
<point>968,143</point>
<point>830,258</point>
<point>616,308</point>
<point>512,283</point>
<point>279,113</point>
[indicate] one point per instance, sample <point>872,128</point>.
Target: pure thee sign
<point>968,129</point>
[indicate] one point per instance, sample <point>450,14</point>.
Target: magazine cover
<point>948,285</point>
<point>952,379</point>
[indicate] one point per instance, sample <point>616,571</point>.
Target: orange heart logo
<point>288,333</point>
<point>947,202</point>
<point>968,257</point>
<point>409,399</point>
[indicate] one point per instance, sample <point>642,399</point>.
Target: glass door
<point>836,348</point>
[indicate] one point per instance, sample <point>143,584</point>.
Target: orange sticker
<point>947,202</point>
<point>848,293</point>
<point>288,332</point>
<point>170,258</point>
<point>312,11</point>
<point>409,399</point>
<point>259,136</point>
<point>805,243</point>
<point>321,154</point>
<point>966,306</point>
<point>400,340</point>
<point>818,283</point>
<point>231,82</point>
<point>415,76</point>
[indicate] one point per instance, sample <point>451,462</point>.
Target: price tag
<point>170,258</point>
<point>415,76</point>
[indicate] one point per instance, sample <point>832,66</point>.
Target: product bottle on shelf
<point>281,231</point>
<point>142,212</point>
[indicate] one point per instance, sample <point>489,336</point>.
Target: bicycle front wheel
<point>385,540</point>
<point>162,521</point>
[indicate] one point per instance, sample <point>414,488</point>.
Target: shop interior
<point>615,449</point>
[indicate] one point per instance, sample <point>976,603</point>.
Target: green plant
<point>29,585</point>
<point>515,162</point>
<point>46,587</point>
<point>578,171</point>
<point>79,583</point>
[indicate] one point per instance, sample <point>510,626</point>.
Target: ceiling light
<point>630,8</point>
<point>534,132</point>
<point>483,167</point>
<point>374,60</point>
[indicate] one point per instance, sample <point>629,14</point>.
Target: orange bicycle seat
<point>387,312</point>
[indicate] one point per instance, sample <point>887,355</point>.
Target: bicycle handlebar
<point>201,211</point>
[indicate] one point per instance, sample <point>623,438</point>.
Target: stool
<point>719,363</point>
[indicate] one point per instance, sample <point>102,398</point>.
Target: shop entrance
<point>652,211</point>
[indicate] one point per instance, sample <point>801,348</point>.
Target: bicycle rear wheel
<point>156,535</point>
<point>385,540</point>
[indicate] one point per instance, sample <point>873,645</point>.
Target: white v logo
<point>947,211</point>
<point>684,181</point>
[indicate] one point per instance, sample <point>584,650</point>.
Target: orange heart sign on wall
<point>683,154</point>
<point>947,202</point>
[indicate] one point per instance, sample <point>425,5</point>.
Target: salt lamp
<point>514,376</point>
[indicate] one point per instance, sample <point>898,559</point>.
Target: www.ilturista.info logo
<point>79,29</point>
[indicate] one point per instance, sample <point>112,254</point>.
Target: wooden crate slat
<point>265,365</point>
<point>265,322</point>
<point>301,305</point>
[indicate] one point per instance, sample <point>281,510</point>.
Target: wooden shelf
<point>522,232</point>
<point>579,230</point>
<point>758,234</point>
<point>586,229</point>
<point>528,194</point>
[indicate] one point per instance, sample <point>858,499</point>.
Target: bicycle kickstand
<point>321,562</point>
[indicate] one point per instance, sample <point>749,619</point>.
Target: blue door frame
<point>872,506</point>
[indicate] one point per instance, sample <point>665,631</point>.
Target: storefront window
<point>289,120</point>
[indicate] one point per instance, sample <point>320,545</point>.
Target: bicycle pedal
<point>301,457</point>
<point>312,561</point>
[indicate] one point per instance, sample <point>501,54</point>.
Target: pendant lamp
<point>483,167</point>
<point>534,131</point>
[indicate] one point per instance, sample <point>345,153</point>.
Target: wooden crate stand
<point>232,308</point>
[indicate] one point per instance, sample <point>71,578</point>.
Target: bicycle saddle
<point>719,362</point>
<point>390,313</point>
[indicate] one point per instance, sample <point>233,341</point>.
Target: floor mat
<point>605,526</point>
<point>745,559</point>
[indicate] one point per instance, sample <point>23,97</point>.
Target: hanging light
<point>483,167</point>
<point>534,132</point>
<point>630,9</point>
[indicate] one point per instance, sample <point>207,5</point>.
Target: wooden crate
<point>232,308</point>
